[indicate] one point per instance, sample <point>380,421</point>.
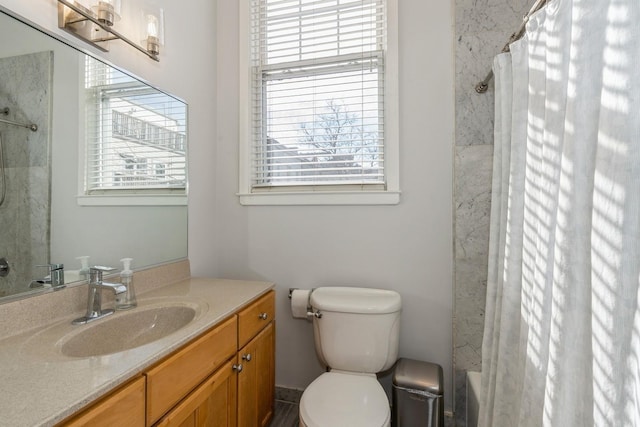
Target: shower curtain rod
<point>5,111</point>
<point>484,85</point>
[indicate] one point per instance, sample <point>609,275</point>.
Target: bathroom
<point>431,247</point>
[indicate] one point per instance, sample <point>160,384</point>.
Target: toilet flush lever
<point>315,314</point>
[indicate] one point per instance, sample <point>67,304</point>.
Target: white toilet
<point>356,333</point>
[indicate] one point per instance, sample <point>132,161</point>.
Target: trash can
<point>417,394</point>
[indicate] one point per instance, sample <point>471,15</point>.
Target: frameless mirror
<point>104,174</point>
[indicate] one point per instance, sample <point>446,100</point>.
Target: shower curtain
<point>562,331</point>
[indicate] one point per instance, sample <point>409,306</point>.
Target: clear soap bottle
<point>127,299</point>
<point>84,267</point>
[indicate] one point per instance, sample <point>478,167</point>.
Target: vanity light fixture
<point>94,24</point>
<point>152,22</point>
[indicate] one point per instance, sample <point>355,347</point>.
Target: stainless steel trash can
<point>417,394</point>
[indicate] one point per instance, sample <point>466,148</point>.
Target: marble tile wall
<point>25,88</point>
<point>482,29</point>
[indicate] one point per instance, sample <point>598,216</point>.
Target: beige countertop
<point>40,386</point>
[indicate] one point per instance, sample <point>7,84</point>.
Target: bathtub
<point>473,397</point>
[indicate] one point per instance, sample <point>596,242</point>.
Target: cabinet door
<point>124,407</point>
<point>256,381</point>
<point>173,379</point>
<point>212,404</point>
<point>265,375</point>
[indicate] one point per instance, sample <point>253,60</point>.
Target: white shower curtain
<point>562,333</point>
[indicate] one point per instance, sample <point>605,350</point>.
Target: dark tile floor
<point>285,414</point>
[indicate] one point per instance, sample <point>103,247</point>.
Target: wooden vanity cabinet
<point>224,378</point>
<point>241,392</point>
<point>256,380</point>
<point>124,407</point>
<point>212,404</point>
<point>171,380</point>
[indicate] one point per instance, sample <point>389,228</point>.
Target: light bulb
<point>153,29</point>
<point>152,26</point>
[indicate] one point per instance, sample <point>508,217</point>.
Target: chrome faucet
<point>94,300</point>
<point>55,278</point>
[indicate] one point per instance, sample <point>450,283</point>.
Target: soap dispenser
<point>84,266</point>
<point>127,299</point>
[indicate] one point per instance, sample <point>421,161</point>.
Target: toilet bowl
<point>344,400</point>
<point>356,332</point>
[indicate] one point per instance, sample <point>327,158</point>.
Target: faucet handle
<point>95,272</point>
<point>55,273</point>
<point>102,268</point>
<point>51,266</point>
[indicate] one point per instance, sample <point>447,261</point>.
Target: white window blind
<point>136,135</point>
<point>317,96</point>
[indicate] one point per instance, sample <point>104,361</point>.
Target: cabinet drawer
<point>171,380</point>
<point>124,407</point>
<point>256,316</point>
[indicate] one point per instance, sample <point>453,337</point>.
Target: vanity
<point>217,368</point>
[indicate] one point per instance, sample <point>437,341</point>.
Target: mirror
<point>133,204</point>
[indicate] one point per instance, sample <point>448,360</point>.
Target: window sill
<point>133,200</point>
<point>303,198</point>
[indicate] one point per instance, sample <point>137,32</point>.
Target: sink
<point>127,330</point>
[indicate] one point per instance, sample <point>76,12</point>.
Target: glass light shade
<point>108,11</point>
<point>85,3</point>
<point>152,27</point>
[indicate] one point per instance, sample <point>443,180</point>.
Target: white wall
<point>406,247</point>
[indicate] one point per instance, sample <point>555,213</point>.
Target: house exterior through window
<point>321,114</point>
<point>136,135</point>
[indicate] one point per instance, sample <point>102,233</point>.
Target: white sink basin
<point>126,330</point>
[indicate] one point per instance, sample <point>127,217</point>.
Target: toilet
<point>356,333</point>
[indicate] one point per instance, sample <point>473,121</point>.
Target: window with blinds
<point>317,93</point>
<point>136,135</point>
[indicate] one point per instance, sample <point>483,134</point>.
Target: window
<point>136,138</point>
<point>321,117</point>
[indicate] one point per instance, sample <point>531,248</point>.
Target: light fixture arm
<point>116,35</point>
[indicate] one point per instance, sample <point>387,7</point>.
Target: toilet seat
<point>339,399</point>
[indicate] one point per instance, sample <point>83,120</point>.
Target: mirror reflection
<point>102,178</point>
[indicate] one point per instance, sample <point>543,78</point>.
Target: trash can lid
<point>417,375</point>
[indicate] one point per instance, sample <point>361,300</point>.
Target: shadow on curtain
<point>562,330</point>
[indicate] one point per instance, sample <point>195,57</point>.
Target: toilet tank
<point>358,329</point>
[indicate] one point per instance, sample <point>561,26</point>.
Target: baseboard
<point>286,394</point>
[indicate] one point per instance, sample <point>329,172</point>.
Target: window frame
<point>314,194</point>
<point>124,196</point>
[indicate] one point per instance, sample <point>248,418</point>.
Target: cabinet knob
<point>237,367</point>
<point>247,357</point>
<point>263,316</point>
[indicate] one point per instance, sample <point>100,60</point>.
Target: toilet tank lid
<point>356,300</point>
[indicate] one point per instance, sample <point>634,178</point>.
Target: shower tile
<point>472,196</point>
<point>474,111</point>
<point>25,213</point>
<point>474,16</point>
